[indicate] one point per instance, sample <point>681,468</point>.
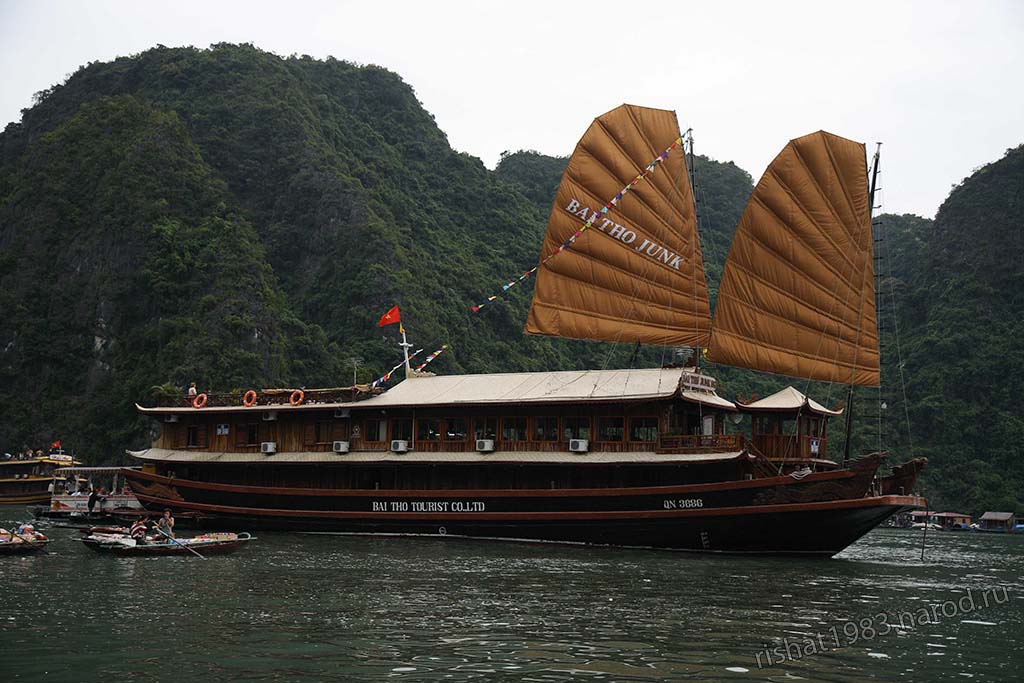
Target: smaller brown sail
<point>797,295</point>
<point>636,275</point>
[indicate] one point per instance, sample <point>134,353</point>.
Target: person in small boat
<point>138,531</point>
<point>166,525</point>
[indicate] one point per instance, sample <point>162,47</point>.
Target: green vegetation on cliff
<point>238,219</point>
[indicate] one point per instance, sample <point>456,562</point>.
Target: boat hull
<point>776,516</point>
<point>167,549</point>
<point>22,548</point>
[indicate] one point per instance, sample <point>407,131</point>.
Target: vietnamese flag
<point>55,446</point>
<point>390,318</point>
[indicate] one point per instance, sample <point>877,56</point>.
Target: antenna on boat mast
<point>871,211</point>
<point>688,151</point>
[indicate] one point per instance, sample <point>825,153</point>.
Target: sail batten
<point>797,294</point>
<point>637,274</point>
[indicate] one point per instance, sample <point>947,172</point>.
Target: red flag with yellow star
<point>390,318</point>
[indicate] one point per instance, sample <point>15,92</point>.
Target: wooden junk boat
<point>631,457</point>
<point>222,543</point>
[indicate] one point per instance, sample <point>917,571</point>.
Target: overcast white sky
<point>940,83</point>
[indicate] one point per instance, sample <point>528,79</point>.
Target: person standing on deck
<point>166,525</point>
<point>192,393</point>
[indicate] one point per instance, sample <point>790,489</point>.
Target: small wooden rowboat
<point>206,544</point>
<point>22,544</point>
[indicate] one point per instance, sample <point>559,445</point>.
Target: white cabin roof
<point>789,399</point>
<point>565,386</point>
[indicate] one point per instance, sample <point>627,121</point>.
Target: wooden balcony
<point>791,446</point>
<point>700,443</point>
<point>268,398</point>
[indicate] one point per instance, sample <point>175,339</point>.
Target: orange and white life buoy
<point>200,401</point>
<point>297,397</point>
<point>249,399</point>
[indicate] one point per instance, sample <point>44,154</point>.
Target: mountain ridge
<point>239,219</point>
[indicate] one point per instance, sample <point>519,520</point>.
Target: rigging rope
<point>586,226</point>
<point>386,376</point>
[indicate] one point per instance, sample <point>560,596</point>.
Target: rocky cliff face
<point>238,219</point>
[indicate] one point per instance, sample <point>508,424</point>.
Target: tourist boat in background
<point>27,481</point>
<point>71,492</point>
<point>631,457</point>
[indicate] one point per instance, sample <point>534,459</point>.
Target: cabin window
<point>324,432</point>
<point>545,428</point>
<point>576,428</point>
<point>196,436</point>
<point>708,425</point>
<point>376,430</point>
<point>643,429</point>
<point>428,429</point>
<point>317,433</point>
<point>247,434</point>
<point>485,427</point>
<point>513,429</point>
<point>455,429</point>
<point>401,429</point>
<point>610,428</point>
<point>761,425</point>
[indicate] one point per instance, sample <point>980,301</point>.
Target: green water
<point>296,607</point>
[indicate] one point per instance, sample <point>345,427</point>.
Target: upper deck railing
<point>267,398</point>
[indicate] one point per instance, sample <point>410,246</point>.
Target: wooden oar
<point>171,538</point>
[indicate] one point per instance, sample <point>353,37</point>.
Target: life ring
<point>297,397</point>
<point>200,401</point>
<point>249,399</point>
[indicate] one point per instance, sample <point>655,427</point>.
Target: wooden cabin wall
<point>315,431</point>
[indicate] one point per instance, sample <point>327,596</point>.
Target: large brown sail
<point>637,274</point>
<point>797,295</point>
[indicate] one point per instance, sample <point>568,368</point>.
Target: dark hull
<point>820,514</point>
<point>22,548</point>
<point>33,496</point>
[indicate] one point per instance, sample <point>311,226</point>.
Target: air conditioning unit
<point>170,418</point>
<point>400,446</point>
<point>269,415</point>
<point>579,445</point>
<point>485,445</point>
<point>341,412</point>
<point>340,447</point>
<point>268,447</point>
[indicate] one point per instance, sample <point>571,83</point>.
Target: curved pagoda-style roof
<point>789,399</point>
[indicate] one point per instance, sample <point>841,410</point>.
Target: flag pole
<point>405,349</point>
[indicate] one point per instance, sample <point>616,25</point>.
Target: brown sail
<point>637,274</point>
<point>797,296</point>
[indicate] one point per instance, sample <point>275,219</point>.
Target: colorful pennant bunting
<point>431,357</point>
<point>384,378</point>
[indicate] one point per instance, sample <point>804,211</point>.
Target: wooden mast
<point>849,392</point>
